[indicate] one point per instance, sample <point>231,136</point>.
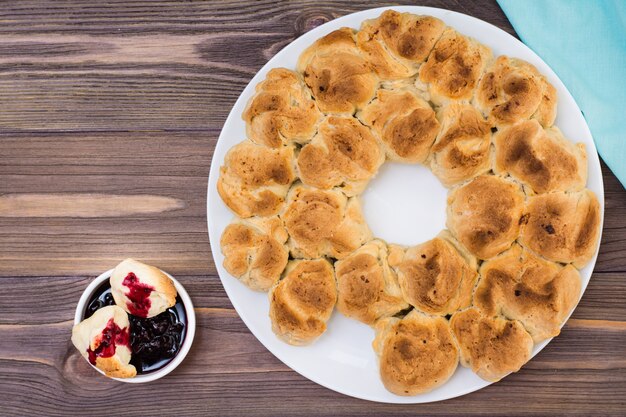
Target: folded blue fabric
<point>584,42</point>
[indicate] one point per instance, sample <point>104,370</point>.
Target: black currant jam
<point>154,341</point>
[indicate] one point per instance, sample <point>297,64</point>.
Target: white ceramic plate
<point>342,359</point>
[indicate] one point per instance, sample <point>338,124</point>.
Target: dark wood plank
<point>119,65</point>
<point>56,297</point>
<point>107,153</point>
<point>228,372</point>
<point>169,167</point>
<point>192,17</point>
<point>124,100</point>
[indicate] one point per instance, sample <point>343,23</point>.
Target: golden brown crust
<point>484,214</point>
<point>255,251</point>
<point>492,347</point>
<point>368,288</point>
<point>435,278</point>
<point>405,123</point>
<point>563,227</point>
<point>524,287</point>
<point>340,79</point>
<point>512,90</point>
<point>453,68</point>
<point>282,111</point>
<point>541,159</point>
<point>254,179</point>
<point>303,301</point>
<point>463,146</point>
<point>343,154</point>
<point>397,43</point>
<point>323,223</point>
<point>416,354</point>
<point>114,368</point>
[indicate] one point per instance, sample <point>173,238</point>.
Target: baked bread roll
<point>512,90</point>
<point>484,214</point>
<point>435,277</point>
<point>563,227</point>
<point>141,290</point>
<point>302,302</point>
<point>255,251</point>
<point>340,78</point>
<point>104,340</point>
<point>343,154</point>
<point>397,43</point>
<point>282,111</point>
<point>254,179</point>
<point>416,354</point>
<point>323,223</point>
<point>462,149</point>
<point>453,68</point>
<point>541,159</point>
<point>405,123</point>
<point>368,289</point>
<point>492,347</point>
<point>521,286</point>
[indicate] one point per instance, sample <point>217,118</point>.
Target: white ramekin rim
<point>190,330</point>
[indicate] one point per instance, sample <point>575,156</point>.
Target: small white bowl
<point>190,328</point>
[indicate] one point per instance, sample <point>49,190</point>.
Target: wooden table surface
<point>109,113</point>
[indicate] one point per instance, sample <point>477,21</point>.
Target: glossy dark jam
<point>153,341</point>
<point>111,337</point>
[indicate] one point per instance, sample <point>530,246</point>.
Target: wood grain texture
<point>124,101</point>
<point>86,205</point>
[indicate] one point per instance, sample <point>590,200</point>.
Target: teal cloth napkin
<point>584,41</point>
